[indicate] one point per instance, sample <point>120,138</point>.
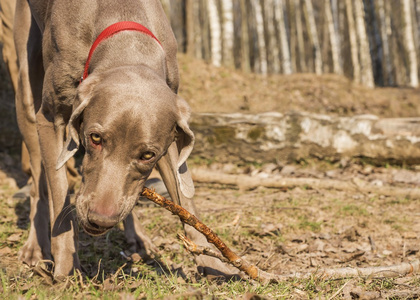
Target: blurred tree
<point>371,41</point>
<point>409,44</point>
<point>338,19</point>
<point>299,33</point>
<point>387,62</point>
<point>375,42</point>
<point>245,61</point>
<point>205,30</point>
<point>261,62</point>
<point>228,38</point>
<point>285,52</point>
<point>366,73</point>
<point>191,26</point>
<point>313,33</point>
<point>215,33</point>
<point>177,18</point>
<point>273,53</point>
<point>333,39</point>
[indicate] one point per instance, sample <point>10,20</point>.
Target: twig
<point>253,271</point>
<point>372,244</point>
<point>197,250</point>
<point>247,182</point>
<point>339,291</point>
<point>190,219</point>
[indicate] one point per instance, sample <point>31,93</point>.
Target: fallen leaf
<point>5,251</point>
<point>386,252</point>
<point>358,293</point>
<point>109,285</point>
<point>350,234</point>
<point>15,237</point>
<point>27,286</point>
<point>251,296</point>
<point>127,296</point>
<point>410,235</point>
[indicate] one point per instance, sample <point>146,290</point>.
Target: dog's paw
<point>137,239</point>
<point>210,266</point>
<point>30,253</point>
<point>141,249</point>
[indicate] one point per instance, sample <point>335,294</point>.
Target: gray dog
<point>125,111</point>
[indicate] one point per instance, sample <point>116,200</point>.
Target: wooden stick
<point>253,271</point>
<point>190,219</point>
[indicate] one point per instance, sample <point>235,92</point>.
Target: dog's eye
<point>96,138</point>
<point>147,156</point>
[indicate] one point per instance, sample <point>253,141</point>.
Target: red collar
<point>110,31</point>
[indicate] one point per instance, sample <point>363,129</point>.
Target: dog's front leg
<point>137,239</point>
<point>28,45</point>
<point>51,131</point>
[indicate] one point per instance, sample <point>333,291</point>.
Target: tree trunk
<point>333,39</point>
<point>409,44</point>
<point>365,58</point>
<point>417,13</point>
<point>205,30</point>
<point>177,23</point>
<point>353,42</point>
<point>245,64</point>
<point>273,52</point>
<point>299,33</point>
<point>386,62</point>
<point>311,25</point>
<point>289,20</point>
<point>375,43</point>
<point>325,43</point>
<point>262,51</point>
<point>198,40</point>
<point>191,26</point>
<point>279,17</point>
<point>337,17</point>
<point>228,38</point>
<point>215,33</point>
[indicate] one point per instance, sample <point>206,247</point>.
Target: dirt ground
<point>210,89</point>
<point>281,230</point>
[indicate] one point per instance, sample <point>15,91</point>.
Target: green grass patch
<point>306,224</point>
<point>353,210</point>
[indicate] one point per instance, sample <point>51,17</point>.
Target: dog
<point>102,74</point>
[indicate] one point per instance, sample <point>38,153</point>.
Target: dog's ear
<point>185,137</point>
<point>173,166</point>
<point>83,97</point>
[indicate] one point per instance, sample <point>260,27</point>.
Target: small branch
<point>254,272</point>
<point>247,182</point>
<point>190,219</point>
<point>198,250</point>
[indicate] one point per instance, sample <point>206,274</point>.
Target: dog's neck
<point>128,49</point>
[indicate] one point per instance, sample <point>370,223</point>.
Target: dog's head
<point>126,119</point>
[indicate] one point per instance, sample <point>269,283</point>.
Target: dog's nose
<point>102,221</point>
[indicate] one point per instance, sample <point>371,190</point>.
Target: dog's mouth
<point>95,230</point>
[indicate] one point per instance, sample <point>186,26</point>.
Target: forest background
<point>374,42</point>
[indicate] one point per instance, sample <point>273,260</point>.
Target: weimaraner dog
<point>125,111</point>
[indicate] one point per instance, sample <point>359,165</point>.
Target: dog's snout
<point>102,221</point>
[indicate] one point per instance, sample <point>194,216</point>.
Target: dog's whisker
<point>69,209</point>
